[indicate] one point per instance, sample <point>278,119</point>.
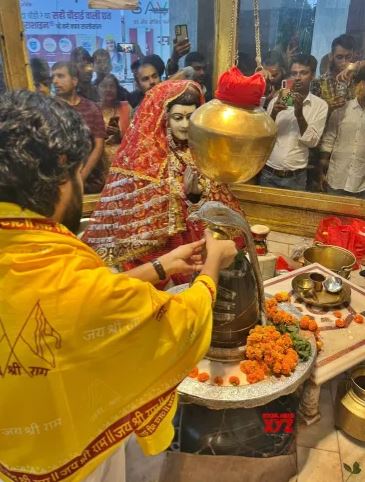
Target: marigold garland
<point>268,352</point>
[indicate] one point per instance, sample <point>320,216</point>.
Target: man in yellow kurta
<point>87,357</point>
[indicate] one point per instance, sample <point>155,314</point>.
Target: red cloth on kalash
<point>143,209</point>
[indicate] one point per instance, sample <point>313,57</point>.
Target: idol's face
<point>178,120</point>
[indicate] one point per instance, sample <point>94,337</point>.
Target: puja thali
<point>320,299</point>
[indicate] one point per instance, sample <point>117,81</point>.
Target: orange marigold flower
<point>359,319</point>
<point>304,322</point>
<point>271,302</point>
<point>277,368</point>
<point>194,373</point>
<point>337,314</point>
<point>234,380</point>
<point>203,377</point>
<point>340,323</point>
<point>313,325</point>
<point>218,381</point>
<point>282,296</point>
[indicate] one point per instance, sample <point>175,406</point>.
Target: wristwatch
<point>159,269</point>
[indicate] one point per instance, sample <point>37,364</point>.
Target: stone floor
<point>322,450</point>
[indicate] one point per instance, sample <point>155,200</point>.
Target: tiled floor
<point>322,450</point>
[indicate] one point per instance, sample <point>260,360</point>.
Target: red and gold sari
<point>143,209</point>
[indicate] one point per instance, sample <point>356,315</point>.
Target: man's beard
<point>73,212</point>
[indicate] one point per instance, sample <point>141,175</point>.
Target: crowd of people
<point>99,353</point>
<point>320,146</point>
<point>86,82</point>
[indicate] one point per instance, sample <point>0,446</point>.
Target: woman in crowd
<point>116,113</point>
<point>153,185</point>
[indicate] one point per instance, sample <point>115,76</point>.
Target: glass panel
<point>313,152</point>
<point>120,42</point>
<point>2,75</point>
<point>56,27</point>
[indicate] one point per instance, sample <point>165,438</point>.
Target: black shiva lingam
<point>240,298</point>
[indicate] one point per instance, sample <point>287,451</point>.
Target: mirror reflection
<point>312,58</point>
<point>2,76</point>
<point>103,62</point>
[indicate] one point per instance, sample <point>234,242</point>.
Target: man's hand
<point>180,49</point>
<point>298,100</point>
<point>191,181</point>
<point>335,103</point>
<point>223,251</point>
<point>185,259</point>
<point>278,107</point>
<point>347,74</point>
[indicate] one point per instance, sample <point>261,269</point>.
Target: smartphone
<point>125,48</point>
<point>181,32</point>
<point>287,84</point>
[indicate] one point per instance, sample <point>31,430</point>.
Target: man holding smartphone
<point>300,117</point>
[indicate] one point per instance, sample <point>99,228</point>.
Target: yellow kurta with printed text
<point>86,356</point>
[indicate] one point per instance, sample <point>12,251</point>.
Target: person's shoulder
<point>90,105</point>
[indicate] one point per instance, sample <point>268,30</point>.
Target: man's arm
<point>311,130</point>
<point>93,158</point>
<point>180,49</point>
<point>187,259</point>
<point>98,132</point>
<point>326,147</point>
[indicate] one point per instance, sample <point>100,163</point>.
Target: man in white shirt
<point>342,158</point>
<point>300,128</point>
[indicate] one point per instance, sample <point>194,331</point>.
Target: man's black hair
<point>345,41</point>
<point>194,57</point>
<point>43,141</point>
<point>307,60</point>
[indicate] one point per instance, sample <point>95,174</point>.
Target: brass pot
<point>339,260</point>
<point>230,144</point>
<point>350,404</point>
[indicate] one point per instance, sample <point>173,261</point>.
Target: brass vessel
<point>350,404</point>
<point>339,260</point>
<point>230,144</point>
<point>240,299</point>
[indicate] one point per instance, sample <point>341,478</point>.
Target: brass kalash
<point>231,144</point>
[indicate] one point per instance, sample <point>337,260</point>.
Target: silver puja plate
<point>244,395</point>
